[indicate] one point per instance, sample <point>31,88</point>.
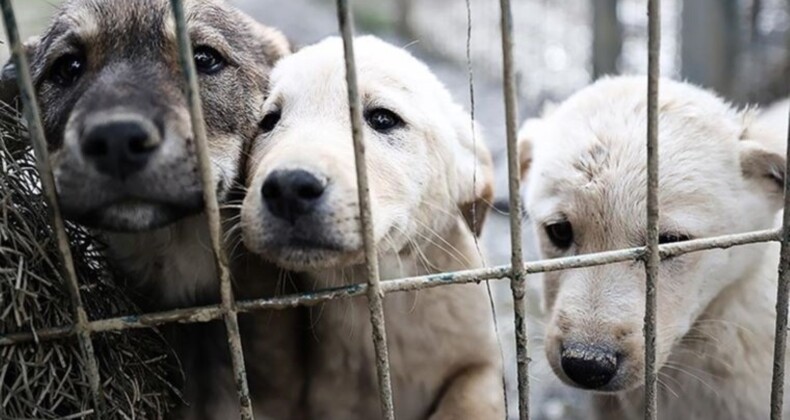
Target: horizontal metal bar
<point>212,312</point>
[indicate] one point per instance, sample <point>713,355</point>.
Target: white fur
<point>586,163</point>
<point>441,343</point>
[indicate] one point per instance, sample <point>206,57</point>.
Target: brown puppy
<point>111,92</point>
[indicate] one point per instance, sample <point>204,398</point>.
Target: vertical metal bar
<point>375,295</point>
<point>212,209</point>
<point>652,257</point>
<point>780,338</point>
<point>36,129</point>
<point>517,278</point>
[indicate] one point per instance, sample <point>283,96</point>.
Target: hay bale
<point>47,380</point>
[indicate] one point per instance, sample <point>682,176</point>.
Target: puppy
<point>585,169</point>
<point>120,137</point>
<point>426,165</point>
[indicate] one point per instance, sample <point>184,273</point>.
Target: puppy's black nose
<point>289,194</point>
<point>119,148</point>
<point>591,367</point>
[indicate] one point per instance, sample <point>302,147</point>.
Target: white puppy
<point>426,171</point>
<point>585,166</point>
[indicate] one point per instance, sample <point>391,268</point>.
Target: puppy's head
<point>585,165</point>
<point>111,93</point>
<point>425,166</point>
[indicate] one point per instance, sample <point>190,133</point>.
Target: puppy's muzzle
<point>589,366</point>
<point>120,147</point>
<point>292,194</point>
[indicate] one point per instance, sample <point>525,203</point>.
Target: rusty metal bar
<point>228,305</point>
<point>212,312</point>
<point>652,256</point>
<point>783,289</point>
<point>374,292</point>
<point>32,114</point>
<point>517,281</point>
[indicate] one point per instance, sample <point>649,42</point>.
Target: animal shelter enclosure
<point>84,329</point>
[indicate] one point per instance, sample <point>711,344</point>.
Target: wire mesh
<point>374,289</point>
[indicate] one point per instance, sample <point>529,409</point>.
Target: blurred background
<point>739,48</point>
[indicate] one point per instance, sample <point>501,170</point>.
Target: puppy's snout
<point>290,194</point>
<point>589,366</point>
<point>120,148</point>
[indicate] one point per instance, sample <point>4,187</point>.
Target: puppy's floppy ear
<point>764,167</point>
<point>9,88</point>
<point>762,149</point>
<point>474,172</point>
<point>526,139</point>
<point>274,43</point>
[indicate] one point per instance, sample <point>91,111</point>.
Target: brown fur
<point>152,219</point>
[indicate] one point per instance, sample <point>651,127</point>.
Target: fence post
<point>783,289</point>
<point>517,276</point>
<point>374,292</point>
<point>228,304</point>
<point>653,257</point>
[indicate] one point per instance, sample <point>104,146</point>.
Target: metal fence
<point>228,309</point>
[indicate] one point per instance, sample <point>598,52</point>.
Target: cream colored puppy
<point>585,169</point>
<point>426,169</point>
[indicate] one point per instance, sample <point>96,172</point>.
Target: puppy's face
<point>301,209</point>
<point>111,92</point>
<point>585,168</point>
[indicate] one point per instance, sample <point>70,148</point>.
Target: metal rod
<point>783,289</point>
<point>212,208</point>
<point>36,129</point>
<point>374,292</point>
<point>517,281</point>
<point>652,255</point>
<point>212,312</point>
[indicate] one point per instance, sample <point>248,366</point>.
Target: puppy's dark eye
<point>671,237</point>
<point>67,69</point>
<point>383,120</point>
<point>208,60</point>
<point>560,234</point>
<point>270,121</point>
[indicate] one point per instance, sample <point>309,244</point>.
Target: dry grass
<point>47,380</point>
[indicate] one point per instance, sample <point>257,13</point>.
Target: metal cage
<point>651,254</point>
